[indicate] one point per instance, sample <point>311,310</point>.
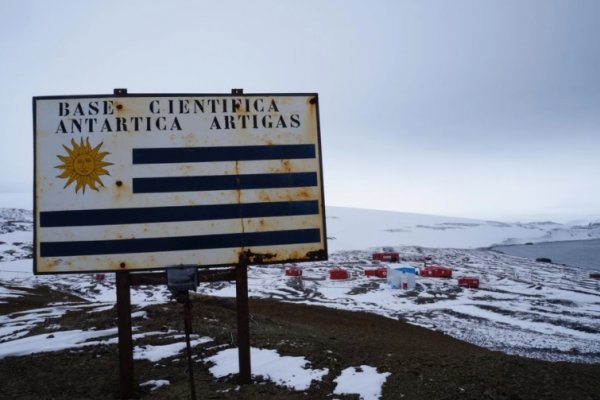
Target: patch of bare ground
<point>423,364</point>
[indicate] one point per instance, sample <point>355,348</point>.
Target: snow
<point>54,341</point>
<point>364,381</point>
<point>157,353</point>
<point>20,271</point>
<point>156,383</point>
<point>7,293</point>
<point>540,310</point>
<point>292,372</point>
<point>19,324</point>
<point>358,229</point>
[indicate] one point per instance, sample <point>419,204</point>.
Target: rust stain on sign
<point>248,257</point>
<point>286,166</point>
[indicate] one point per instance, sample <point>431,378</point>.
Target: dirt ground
<point>423,364</point>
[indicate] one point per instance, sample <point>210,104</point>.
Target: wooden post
<point>243,322</point>
<point>123,283</point>
<point>125,337</point>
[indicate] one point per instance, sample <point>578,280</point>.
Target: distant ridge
<point>360,229</point>
<point>354,228</point>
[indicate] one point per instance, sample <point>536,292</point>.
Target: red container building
<point>387,256</point>
<point>293,271</point>
<point>436,271</point>
<point>468,282</point>
<point>376,272</point>
<point>338,273</point>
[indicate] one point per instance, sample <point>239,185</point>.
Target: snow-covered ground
<point>352,229</point>
<point>522,307</point>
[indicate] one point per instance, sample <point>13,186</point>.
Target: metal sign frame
<point>133,182</point>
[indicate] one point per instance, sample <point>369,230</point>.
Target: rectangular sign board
<point>141,182</point>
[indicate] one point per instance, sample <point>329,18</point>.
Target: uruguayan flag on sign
<point>143,182</point>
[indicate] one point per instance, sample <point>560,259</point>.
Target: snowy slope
<point>522,307</point>
<point>352,229</point>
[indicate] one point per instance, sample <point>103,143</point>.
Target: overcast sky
<point>482,109</point>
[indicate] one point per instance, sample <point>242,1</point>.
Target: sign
<point>139,182</point>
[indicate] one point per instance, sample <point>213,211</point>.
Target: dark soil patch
<point>423,364</point>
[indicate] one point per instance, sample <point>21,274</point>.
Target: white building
<point>401,276</point>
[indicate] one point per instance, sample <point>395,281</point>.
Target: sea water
<point>577,253</point>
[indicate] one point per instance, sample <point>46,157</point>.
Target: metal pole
<point>243,322</point>
<point>125,338</point>
<point>187,317</point>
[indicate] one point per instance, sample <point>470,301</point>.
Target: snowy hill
<point>539,310</point>
<point>353,229</point>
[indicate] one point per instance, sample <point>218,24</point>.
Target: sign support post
<point>132,182</point>
<point>123,288</point>
<point>243,320</point>
<point>125,336</point>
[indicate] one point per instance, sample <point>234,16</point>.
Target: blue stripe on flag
<point>182,243</point>
<point>223,182</point>
<point>144,215</point>
<point>222,153</point>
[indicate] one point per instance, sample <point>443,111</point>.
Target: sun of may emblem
<point>83,165</point>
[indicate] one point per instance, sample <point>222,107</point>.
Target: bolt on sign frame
<point>139,182</point>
